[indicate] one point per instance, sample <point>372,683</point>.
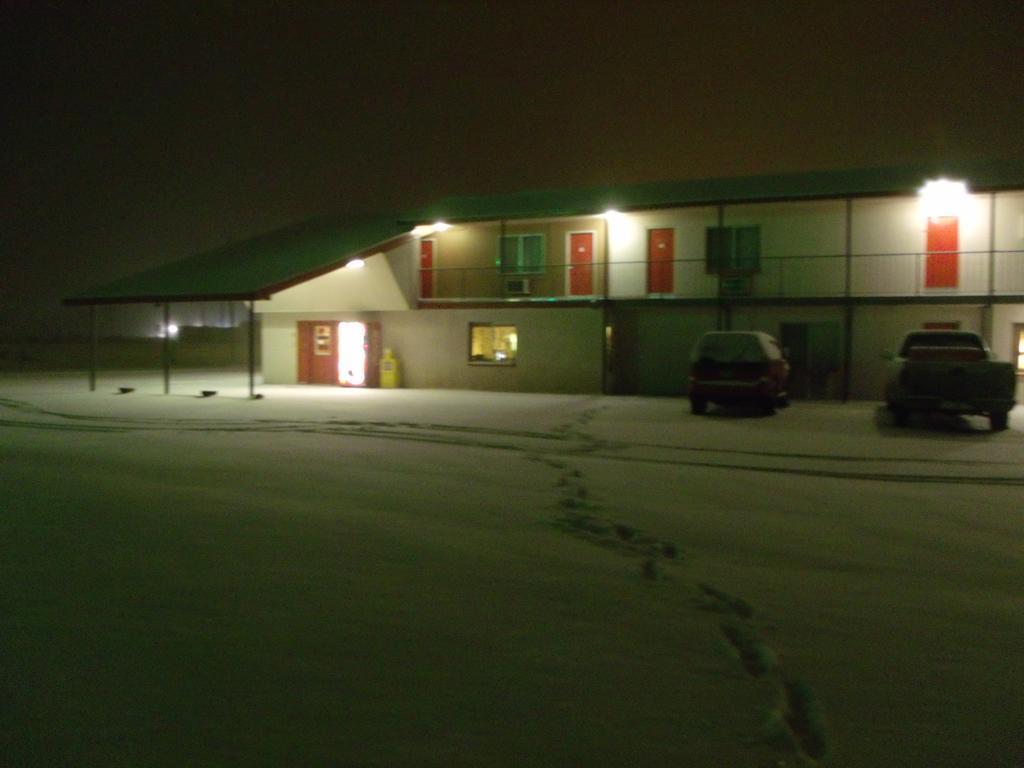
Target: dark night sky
<point>139,133</point>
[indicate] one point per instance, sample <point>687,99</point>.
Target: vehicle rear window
<point>730,348</point>
<point>945,340</point>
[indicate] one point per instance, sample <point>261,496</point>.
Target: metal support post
<point>722,322</point>
<point>606,339</point>
<point>252,349</point>
<point>847,349</point>
<point>93,334</point>
<point>848,309</point>
<point>991,246</point>
<point>989,310</point>
<point>167,348</point>
<point>606,266</point>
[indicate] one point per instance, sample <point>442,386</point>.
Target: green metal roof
<point>985,175</point>
<point>257,268</point>
<point>252,269</point>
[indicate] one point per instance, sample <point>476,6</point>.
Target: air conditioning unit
<point>517,286</point>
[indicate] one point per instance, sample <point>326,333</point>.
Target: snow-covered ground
<point>409,578</point>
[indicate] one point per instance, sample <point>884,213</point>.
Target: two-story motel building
<point>606,290</point>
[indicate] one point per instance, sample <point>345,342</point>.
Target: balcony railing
<point>820,276</point>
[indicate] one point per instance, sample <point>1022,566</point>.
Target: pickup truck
<point>951,372</point>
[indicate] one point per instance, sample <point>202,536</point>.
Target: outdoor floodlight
<point>942,197</point>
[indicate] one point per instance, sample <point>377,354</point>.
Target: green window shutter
<point>521,254</point>
<point>712,248</point>
<point>719,247</point>
<point>533,253</point>
<point>748,248</point>
<point>509,253</point>
<point>733,248</point>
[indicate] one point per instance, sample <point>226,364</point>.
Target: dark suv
<point>738,367</point>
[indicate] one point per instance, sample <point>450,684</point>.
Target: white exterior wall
<point>770,319</point>
<point>279,345</point>
<point>802,246</point>
<point>373,287</point>
<point>627,251</point>
<point>1009,242</point>
<point>403,261</point>
<point>889,240</point>
<point>651,347</point>
<point>560,349</point>
<point>279,340</point>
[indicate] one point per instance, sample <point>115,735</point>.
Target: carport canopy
<point>246,271</point>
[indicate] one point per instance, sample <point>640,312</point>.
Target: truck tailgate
<point>953,382</point>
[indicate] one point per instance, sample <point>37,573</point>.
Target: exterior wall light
<point>355,264</point>
<point>422,230</point>
<point>942,197</point>
<point>611,215</point>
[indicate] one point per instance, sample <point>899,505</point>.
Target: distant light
<point>440,226</point>
<point>942,197</point>
<point>355,264</point>
<point>172,330</point>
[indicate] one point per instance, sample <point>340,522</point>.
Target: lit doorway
<point>1018,348</point>
<point>1017,357</point>
<point>344,354</point>
<point>352,349</point>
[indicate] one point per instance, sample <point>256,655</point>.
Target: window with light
<point>493,344</point>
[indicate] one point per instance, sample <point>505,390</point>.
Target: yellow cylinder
<point>389,378</point>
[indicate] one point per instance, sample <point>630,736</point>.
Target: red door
<point>581,263</point>
<point>426,269</point>
<point>318,352</point>
<point>660,255</point>
<point>374,350</point>
<point>942,262</point>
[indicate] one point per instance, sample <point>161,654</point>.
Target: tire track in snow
<point>827,473</point>
<point>569,439</point>
<point>822,457</point>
